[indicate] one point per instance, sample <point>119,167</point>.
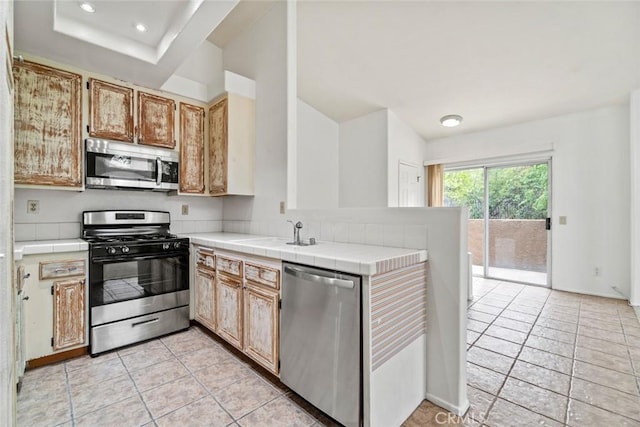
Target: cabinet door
<point>218,135</point>
<point>110,111</point>
<point>47,125</point>
<point>68,313</point>
<point>156,120</point>
<point>191,149</point>
<point>261,326</point>
<point>205,298</point>
<point>229,309</point>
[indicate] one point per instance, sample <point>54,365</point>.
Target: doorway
<point>509,234</point>
<point>408,185</point>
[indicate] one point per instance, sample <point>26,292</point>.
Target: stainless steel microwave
<point>123,166</point>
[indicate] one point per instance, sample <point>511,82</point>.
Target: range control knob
<point>166,246</point>
<point>176,245</point>
<point>111,251</point>
<point>125,249</point>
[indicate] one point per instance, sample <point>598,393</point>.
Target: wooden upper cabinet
<point>231,145</point>
<point>156,120</point>
<point>191,149</point>
<point>110,111</point>
<point>218,132</point>
<point>47,121</point>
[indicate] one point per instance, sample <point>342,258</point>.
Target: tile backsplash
<point>60,213</point>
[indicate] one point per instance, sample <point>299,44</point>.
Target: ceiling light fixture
<point>141,27</point>
<point>451,120</point>
<point>87,7</point>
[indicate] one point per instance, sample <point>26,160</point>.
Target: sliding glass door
<point>508,234</point>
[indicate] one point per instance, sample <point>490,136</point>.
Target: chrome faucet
<point>296,234</point>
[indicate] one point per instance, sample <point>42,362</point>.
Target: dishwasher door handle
<point>323,280</point>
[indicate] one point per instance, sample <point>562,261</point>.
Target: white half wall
<point>363,161</point>
<point>318,165</point>
<point>590,186</point>
<point>634,139</point>
<point>404,145</point>
<point>260,53</point>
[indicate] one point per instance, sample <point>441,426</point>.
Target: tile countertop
<point>347,257</point>
<point>37,247</point>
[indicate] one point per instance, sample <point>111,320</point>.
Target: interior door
<point>408,185</point>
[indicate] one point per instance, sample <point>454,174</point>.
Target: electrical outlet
<point>185,209</point>
<point>563,220</point>
<point>596,271</point>
<point>281,207</point>
<point>33,206</point>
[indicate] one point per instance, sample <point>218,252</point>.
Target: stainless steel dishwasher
<point>320,339</point>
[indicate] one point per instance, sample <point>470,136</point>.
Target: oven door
<point>125,287</point>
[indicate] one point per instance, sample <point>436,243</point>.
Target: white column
<point>635,197</point>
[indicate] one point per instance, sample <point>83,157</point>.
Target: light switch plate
<point>281,207</point>
<point>563,220</point>
<point>185,209</point>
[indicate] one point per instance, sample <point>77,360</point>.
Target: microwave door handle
<point>158,171</point>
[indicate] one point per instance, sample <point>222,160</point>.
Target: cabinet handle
<point>26,276</point>
<point>25,298</point>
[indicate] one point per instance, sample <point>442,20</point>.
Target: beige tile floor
<point>535,357</point>
<point>542,357</point>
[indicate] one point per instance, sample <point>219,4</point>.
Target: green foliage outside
<point>518,192</point>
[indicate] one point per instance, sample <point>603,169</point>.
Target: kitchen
<point>275,181</point>
<point>52,226</point>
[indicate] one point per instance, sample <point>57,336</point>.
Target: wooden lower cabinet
<point>205,306</point>
<point>68,313</point>
<point>229,309</point>
<point>261,327</point>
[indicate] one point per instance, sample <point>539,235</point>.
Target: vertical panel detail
<point>110,111</point>
<point>398,311</point>
<point>218,139</point>
<point>68,314</point>
<point>156,120</point>
<point>261,326</point>
<point>191,149</point>
<point>205,298</point>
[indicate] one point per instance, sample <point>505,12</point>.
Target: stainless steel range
<point>138,277</point>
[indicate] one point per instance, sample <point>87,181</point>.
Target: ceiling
<point>107,42</point>
<point>495,63</point>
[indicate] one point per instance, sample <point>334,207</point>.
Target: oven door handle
<point>110,259</point>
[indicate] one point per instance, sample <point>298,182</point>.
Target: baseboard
<point>595,294</point>
<point>57,357</point>
<point>457,410</point>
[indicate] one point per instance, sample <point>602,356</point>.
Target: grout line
<point>68,387</point>
<point>136,387</point>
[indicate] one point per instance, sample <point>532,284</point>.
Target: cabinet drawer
<point>205,258</point>
<point>230,266</point>
<point>57,269</point>
<point>263,275</point>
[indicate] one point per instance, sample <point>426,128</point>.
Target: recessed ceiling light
<point>451,120</point>
<point>141,27</point>
<point>87,7</point>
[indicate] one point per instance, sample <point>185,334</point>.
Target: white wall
<point>317,153</point>
<point>407,146</point>
<point>7,355</point>
<point>363,161</point>
<point>590,186</point>
<point>60,214</point>
<point>260,53</point>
